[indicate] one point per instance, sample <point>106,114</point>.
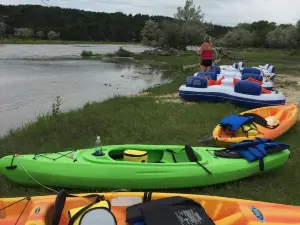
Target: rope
<point>26,198</point>
<point>22,212</point>
<point>13,203</point>
<point>61,155</point>
<point>16,156</point>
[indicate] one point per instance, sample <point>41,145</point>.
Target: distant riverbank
<point>39,42</point>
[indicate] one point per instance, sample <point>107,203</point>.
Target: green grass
<point>122,120</point>
<point>285,61</point>
<point>175,62</point>
<point>141,120</point>
<point>34,41</point>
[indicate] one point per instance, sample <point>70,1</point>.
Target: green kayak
<point>164,166</point>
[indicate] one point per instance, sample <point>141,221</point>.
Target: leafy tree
<point>24,33</point>
<point>283,37</point>
<point>171,36</point>
<point>2,29</point>
<point>52,35</point>
<point>245,26</point>
<point>260,30</point>
<point>187,28</point>
<point>291,36</point>
<point>191,18</point>
<point>40,34</point>
<point>189,13</point>
<point>237,38</point>
<point>276,38</point>
<point>151,33</point>
<point>298,26</point>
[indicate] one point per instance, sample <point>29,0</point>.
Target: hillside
<point>74,24</point>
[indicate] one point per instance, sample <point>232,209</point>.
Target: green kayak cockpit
<point>151,156</point>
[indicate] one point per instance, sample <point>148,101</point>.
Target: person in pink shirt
<point>206,53</point>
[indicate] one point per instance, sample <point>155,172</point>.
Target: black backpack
<point>168,211</point>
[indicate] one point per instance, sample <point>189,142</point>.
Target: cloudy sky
<point>226,12</point>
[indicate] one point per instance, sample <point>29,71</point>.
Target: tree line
<point>187,27</point>
<point>74,24</point>
<point>263,34</point>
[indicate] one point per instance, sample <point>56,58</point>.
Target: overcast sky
<point>225,12</point>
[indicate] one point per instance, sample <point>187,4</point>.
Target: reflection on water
<point>29,87</point>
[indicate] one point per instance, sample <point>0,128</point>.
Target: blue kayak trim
<point>221,97</point>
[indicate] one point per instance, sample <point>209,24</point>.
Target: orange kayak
<point>285,116</point>
<point>222,211</point>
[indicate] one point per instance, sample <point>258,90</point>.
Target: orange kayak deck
<point>286,114</point>
<point>223,211</point>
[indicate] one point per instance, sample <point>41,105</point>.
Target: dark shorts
<point>206,62</point>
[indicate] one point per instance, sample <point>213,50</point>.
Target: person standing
<point>206,53</point>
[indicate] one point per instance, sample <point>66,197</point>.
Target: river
<point>31,76</point>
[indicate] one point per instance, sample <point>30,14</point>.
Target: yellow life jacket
<point>249,128</point>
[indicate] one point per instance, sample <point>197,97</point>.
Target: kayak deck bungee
<point>283,116</point>
<point>166,166</point>
<point>39,210</point>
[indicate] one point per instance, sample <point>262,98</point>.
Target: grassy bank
<point>33,41</point>
<point>154,120</point>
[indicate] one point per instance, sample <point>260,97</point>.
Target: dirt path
<point>290,86</point>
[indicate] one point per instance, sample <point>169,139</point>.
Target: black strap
<point>60,203</point>
<point>261,161</point>
<point>260,120</point>
<point>150,196</point>
<point>12,167</point>
<point>147,196</point>
<point>193,158</point>
<point>261,164</point>
<point>243,129</point>
<point>173,154</point>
